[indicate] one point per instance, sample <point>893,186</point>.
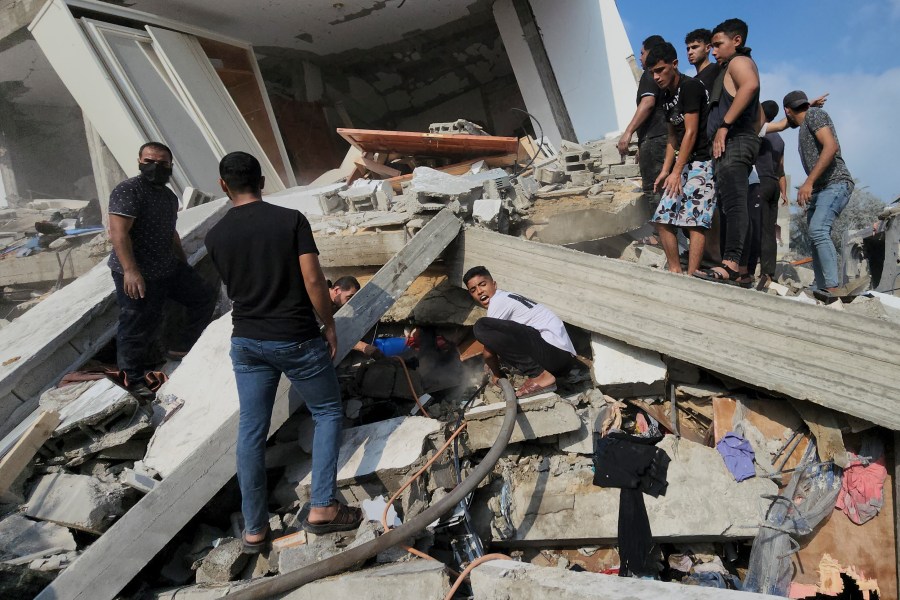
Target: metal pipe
<point>344,561</point>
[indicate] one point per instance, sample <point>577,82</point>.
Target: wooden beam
<point>376,167</point>
<point>126,548</point>
<point>429,144</point>
<point>842,361</point>
<point>18,457</point>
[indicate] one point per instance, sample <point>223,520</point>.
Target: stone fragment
<point>621,370</point>
<point>223,563</point>
<point>297,557</point>
<point>20,537</point>
<point>627,170</point>
<point>138,481</point>
<point>488,212</point>
<point>76,501</point>
<point>702,502</point>
<point>539,417</point>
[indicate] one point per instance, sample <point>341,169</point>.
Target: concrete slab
<point>621,370</point>
<point>540,416</point>
<point>503,579</point>
<point>385,449</point>
<point>419,579</point>
<point>310,201</point>
<point>76,501</point>
<point>703,502</point>
<point>20,536</point>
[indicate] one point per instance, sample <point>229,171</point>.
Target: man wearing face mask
<point>149,266</point>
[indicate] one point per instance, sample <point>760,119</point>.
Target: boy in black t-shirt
<point>686,179</point>
<point>268,260</point>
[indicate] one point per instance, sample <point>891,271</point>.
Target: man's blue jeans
<point>258,365</point>
<point>824,207</point>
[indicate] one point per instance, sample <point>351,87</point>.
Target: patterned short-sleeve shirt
<point>154,209</point>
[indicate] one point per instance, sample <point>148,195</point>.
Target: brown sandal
<point>347,518</point>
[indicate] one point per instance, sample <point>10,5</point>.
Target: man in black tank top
<point>733,124</point>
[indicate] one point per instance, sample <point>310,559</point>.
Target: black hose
<point>347,559</point>
<point>538,123</point>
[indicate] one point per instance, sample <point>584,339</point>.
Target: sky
<point>848,48</point>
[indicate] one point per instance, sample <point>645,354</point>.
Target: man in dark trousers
<point>686,179</point>
<point>828,185</point>
<point>650,126</point>
<point>525,334</point>
<point>733,126</point>
<point>269,262</point>
<point>149,266</point>
<point>772,186</point>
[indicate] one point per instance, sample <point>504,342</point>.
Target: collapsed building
<point>102,500</point>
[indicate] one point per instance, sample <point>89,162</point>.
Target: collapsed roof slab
<point>62,332</point>
<point>204,467</point>
<point>845,362</point>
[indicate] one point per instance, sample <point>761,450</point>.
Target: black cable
<point>538,123</point>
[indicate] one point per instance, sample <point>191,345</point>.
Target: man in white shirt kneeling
<point>527,335</point>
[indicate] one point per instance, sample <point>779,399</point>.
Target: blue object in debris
<point>391,346</point>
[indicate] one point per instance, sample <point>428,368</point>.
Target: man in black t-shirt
<point>686,179</point>
<point>148,267</point>
<point>650,126</point>
<point>772,186</point>
<point>699,45</point>
<point>269,262</point>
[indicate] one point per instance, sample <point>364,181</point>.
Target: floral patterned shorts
<point>694,208</point>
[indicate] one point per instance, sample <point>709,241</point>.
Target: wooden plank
<point>126,548</point>
<point>842,361</point>
<point>429,144</point>
<point>361,250</point>
<point>14,461</point>
<point>376,167</point>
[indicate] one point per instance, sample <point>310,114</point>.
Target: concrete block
<point>20,537</point>
<point>76,501</point>
<point>582,178</point>
<point>297,557</point>
<point>621,370</point>
<point>223,563</point>
<point>489,213</point>
<point>419,579</point>
<point>548,176</point>
<point>626,170</point>
<point>385,449</point>
<point>311,201</point>
<point>702,503</point>
<point>503,579</point>
<point>541,416</point>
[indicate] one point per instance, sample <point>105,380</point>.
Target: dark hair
<point>651,41</point>
<point>475,272</point>
<point>770,109</point>
<point>699,35</point>
<point>731,28</point>
<point>664,52</point>
<point>346,283</point>
<point>159,146</point>
<point>241,172</point>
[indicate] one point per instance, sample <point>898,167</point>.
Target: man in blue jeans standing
<point>268,260</point>
<point>828,184</point>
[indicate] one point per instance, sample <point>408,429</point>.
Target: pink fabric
<point>862,488</point>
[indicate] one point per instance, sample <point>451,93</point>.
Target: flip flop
<point>732,277</point>
<point>255,547</point>
<point>347,518</point>
<point>530,388</point>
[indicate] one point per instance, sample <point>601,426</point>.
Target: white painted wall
<point>588,48</point>
<point>524,68</point>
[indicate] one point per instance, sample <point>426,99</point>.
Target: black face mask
<point>155,173</point>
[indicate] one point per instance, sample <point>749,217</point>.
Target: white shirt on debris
<point>513,307</point>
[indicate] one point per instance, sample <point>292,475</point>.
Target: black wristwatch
<point>726,126</point>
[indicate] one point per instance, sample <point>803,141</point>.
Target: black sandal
<point>255,547</point>
<point>733,277</point>
<point>347,518</point>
